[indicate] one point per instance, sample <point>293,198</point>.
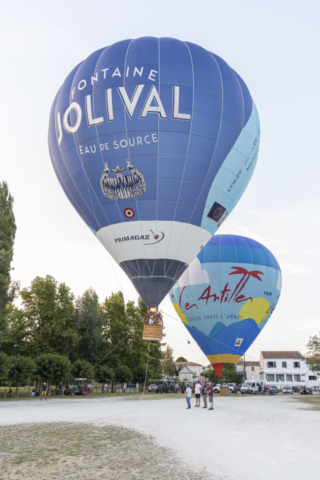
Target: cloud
<point>194,275</point>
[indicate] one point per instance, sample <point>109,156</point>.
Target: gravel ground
<point>258,437</point>
<point>68,450</point>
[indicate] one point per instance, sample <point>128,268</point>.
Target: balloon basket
<point>225,391</point>
<point>152,332</point>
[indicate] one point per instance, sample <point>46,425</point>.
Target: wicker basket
<point>152,332</point>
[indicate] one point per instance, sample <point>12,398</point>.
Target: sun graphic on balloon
<point>257,309</point>
<point>180,313</point>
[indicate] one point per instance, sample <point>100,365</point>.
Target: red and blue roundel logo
<point>129,213</point>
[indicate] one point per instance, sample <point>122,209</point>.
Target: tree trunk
<point>112,387</point>
<point>49,388</point>
<point>17,390</point>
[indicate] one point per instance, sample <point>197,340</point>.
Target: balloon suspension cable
<point>221,343</point>
<point>145,377</point>
<point>103,358</point>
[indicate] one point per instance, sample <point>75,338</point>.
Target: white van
<point>252,386</point>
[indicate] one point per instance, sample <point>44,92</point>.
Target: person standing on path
<point>204,395</point>
<point>197,391</point>
<point>210,395</point>
<point>44,390</point>
<point>188,396</point>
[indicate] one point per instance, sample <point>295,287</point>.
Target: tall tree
<point>47,316</point>
<point>7,235</point>
<point>82,369</point>
<point>181,359</point>
<point>168,366</point>
<point>89,325</point>
<point>21,370</point>
<point>4,366</point>
<point>52,368</point>
<point>313,359</point>
<point>103,374</point>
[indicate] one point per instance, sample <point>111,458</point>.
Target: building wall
<point>288,375</point>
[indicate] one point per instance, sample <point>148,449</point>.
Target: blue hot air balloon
<point>227,296</point>
<point>153,141</point>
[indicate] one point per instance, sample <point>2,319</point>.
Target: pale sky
<point>274,46</point>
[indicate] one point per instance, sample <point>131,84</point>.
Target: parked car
<point>305,391</point>
<point>153,387</point>
<point>295,389</point>
<point>287,390</point>
<point>216,388</point>
<point>273,390</point>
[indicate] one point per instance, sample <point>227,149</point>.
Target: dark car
<point>305,391</point>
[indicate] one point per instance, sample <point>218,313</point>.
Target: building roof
<point>249,364</point>
<point>187,364</point>
<point>291,354</point>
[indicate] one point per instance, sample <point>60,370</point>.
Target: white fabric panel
<point>136,239</point>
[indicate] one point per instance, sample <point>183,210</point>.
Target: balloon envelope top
<point>153,141</point>
<point>227,295</point>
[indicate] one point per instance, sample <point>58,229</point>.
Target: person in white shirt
<point>188,396</point>
<point>197,391</point>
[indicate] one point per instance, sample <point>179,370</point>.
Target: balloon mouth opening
<point>217,367</point>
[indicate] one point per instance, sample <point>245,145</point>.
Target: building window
<point>270,377</point>
<point>271,364</point>
<point>296,364</point>
<point>312,377</point>
<point>284,364</point>
<point>280,378</point>
<point>289,378</point>
<point>297,378</point>
<point>252,369</point>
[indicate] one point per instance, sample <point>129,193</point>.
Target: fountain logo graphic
<point>128,186</point>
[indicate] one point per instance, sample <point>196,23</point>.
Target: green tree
<point>21,370</point>
<point>181,359</point>
<point>82,369</point>
<point>7,235</point>
<point>313,358</point>
<point>123,374</point>
<point>168,366</point>
<point>139,374</point>
<point>4,366</point>
<point>89,325</point>
<point>47,318</point>
<point>103,374</point>
<point>122,342</point>
<point>229,374</point>
<point>52,368</point>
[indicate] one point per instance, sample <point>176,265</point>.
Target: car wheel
<point>72,393</point>
<point>84,391</point>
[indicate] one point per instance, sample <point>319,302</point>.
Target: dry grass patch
<point>73,451</point>
<point>309,400</point>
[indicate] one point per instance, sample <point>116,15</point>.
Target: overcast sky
<point>274,46</point>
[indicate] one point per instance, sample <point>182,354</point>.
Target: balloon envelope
<point>227,295</point>
<point>153,141</point>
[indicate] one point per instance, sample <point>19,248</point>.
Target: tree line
<point>53,336</point>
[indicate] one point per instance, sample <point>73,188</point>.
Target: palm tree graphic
<point>245,277</point>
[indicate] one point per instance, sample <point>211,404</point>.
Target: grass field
<point>73,451</point>
<point>312,400</point>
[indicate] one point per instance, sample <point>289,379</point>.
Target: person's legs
<point>188,402</point>
<point>205,401</point>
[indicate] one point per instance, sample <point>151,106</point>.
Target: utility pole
<point>244,367</point>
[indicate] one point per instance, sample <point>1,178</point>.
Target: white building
<point>252,370</point>
<point>286,368</point>
<point>189,371</point>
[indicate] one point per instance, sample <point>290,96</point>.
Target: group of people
<point>200,389</point>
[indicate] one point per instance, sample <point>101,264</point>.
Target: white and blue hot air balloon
<point>154,141</point>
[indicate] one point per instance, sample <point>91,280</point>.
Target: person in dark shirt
<point>44,390</point>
